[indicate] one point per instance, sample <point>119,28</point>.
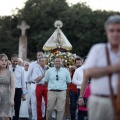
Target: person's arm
<point>37,80</point>
<point>24,90</point>
<point>84,85</point>
<point>91,65</point>
<point>47,77</point>
<point>30,70</point>
<point>70,70</point>
<point>46,83</point>
<point>83,88</point>
<point>68,78</point>
<point>75,79</point>
<point>12,89</point>
<point>103,71</point>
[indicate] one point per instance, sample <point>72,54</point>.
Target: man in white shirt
<point>41,88</point>
<point>20,62</point>
<point>26,67</point>
<point>97,68</point>
<point>74,88</point>
<point>20,88</point>
<point>32,67</point>
<point>25,104</point>
<point>78,77</point>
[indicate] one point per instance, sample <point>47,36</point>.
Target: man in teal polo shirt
<point>58,79</point>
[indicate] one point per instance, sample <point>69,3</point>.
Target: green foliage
<point>82,26</point>
<point>68,59</point>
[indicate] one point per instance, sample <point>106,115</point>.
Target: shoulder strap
<point>115,102</point>
<point>110,80</point>
<point>118,98</point>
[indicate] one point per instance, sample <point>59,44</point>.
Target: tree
<point>82,26</point>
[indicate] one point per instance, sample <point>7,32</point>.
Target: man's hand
<point>81,102</point>
<point>23,97</point>
<point>116,67</point>
<point>44,74</point>
<point>73,67</point>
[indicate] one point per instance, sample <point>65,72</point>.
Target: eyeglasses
<point>57,78</point>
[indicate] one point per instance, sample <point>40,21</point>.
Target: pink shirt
<point>86,95</point>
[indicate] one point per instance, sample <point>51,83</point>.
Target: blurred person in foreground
<point>103,66</point>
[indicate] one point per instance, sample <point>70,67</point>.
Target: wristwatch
<point>80,98</point>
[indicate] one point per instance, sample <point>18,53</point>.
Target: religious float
<point>58,45</point>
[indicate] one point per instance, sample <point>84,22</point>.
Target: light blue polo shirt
<point>63,78</point>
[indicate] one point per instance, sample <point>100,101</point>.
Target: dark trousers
<point>73,103</point>
<point>17,100</point>
<point>82,115</point>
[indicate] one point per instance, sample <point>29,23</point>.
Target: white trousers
<point>24,109</point>
<point>100,108</point>
<point>34,103</point>
<point>29,94</point>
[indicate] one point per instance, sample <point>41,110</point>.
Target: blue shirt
<point>63,78</point>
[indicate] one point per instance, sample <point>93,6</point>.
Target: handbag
<point>115,100</point>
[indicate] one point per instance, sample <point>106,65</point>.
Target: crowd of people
<point>40,88</point>
<point>58,92</point>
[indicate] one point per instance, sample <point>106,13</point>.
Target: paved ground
<point>30,113</point>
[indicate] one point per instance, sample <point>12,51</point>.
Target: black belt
<point>56,90</point>
<point>33,82</point>
<point>18,88</point>
<point>104,96</point>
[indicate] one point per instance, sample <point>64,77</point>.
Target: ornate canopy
<point>57,40</point>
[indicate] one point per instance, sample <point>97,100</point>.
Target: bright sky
<point>6,6</point>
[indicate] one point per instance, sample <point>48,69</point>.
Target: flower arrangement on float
<point>68,58</point>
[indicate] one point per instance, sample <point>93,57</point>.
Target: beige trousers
<point>100,108</point>
<point>56,100</point>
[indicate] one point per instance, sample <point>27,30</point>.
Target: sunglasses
<point>57,78</point>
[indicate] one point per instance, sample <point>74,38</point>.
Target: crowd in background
<point>49,92</point>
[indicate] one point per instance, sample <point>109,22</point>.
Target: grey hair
<point>26,63</point>
<point>114,19</point>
